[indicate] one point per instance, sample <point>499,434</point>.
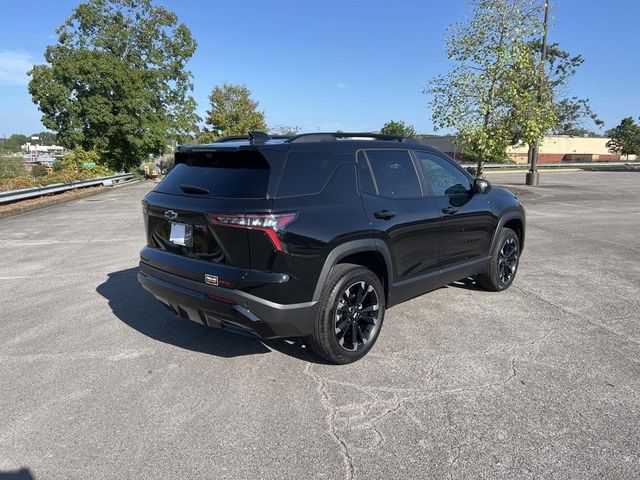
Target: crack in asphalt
<point>577,315</point>
<point>326,403</point>
<point>528,343</point>
<point>586,237</point>
<point>392,407</point>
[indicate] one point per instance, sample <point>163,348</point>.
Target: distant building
<point>563,148</point>
<point>553,149</point>
<point>44,154</point>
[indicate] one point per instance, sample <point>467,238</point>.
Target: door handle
<point>384,214</point>
<point>449,210</point>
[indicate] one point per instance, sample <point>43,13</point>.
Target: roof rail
<point>333,136</point>
<point>253,137</point>
<point>232,138</point>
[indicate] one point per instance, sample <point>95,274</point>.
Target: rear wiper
<point>193,189</point>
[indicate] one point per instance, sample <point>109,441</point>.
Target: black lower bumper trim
<point>224,308</point>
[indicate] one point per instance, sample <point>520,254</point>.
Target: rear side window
<point>444,178</point>
<point>394,173</point>
<point>232,174</point>
<point>306,173</point>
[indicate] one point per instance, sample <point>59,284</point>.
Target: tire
<point>340,321</point>
<point>503,263</point>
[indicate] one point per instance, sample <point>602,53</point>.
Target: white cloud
<point>341,85</point>
<point>14,67</point>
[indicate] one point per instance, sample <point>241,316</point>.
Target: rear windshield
<point>232,174</point>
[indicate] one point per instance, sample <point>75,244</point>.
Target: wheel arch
<point>365,252</point>
<point>516,222</point>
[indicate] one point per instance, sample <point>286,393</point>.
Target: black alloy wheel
<point>508,260</point>
<point>357,316</point>
<point>503,262</point>
<point>350,316</point>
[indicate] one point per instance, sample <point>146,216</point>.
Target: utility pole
<point>533,177</point>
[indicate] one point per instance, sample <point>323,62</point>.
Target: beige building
<point>553,149</point>
<point>563,148</point>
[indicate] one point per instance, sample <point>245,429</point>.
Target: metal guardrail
<point>524,166</point>
<point>24,193</point>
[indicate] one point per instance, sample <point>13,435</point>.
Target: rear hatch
<point>187,211</point>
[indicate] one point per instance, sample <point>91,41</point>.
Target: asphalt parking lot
<point>98,381</point>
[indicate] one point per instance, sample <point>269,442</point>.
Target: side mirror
<point>480,185</point>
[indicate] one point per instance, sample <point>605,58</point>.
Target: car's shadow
<point>22,474</point>
<point>469,283</point>
<point>141,311</point>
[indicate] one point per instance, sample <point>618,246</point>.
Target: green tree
<point>232,112</point>
<point>116,80</point>
<point>45,138</point>
<point>625,138</point>
<point>286,130</point>
<point>572,116</point>
<point>14,142</point>
<point>398,128</point>
<point>532,112</point>
<point>490,56</point>
<point>555,112</point>
<point>572,113</point>
<point>76,160</point>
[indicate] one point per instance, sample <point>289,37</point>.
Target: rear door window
<point>443,177</point>
<point>233,174</point>
<point>394,173</point>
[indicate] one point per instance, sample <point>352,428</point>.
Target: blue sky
<point>348,65</point>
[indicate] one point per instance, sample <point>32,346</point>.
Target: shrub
<point>39,171</point>
<point>12,167</point>
<point>57,165</point>
<point>81,160</point>
<point>98,171</point>
<point>149,169</point>
<point>16,183</point>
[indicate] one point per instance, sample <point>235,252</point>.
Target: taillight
<point>269,223</point>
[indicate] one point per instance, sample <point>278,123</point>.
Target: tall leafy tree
<point>116,80</point>
<point>232,112</point>
<point>574,115</point>
<point>553,111</point>
<point>45,138</point>
<point>489,55</point>
<point>398,128</point>
<point>625,138</point>
<point>14,142</point>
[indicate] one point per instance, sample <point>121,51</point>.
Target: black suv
<point>316,235</point>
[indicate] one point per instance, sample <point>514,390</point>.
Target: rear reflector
<point>268,223</point>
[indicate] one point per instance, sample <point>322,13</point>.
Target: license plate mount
<point>181,234</point>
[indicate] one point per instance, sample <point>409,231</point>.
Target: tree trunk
<point>480,167</point>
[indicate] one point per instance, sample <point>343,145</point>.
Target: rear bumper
<point>226,308</point>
